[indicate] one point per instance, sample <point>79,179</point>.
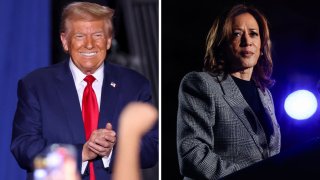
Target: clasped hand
<point>100,143</point>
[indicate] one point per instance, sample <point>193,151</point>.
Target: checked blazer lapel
<point>241,108</point>
<point>268,108</point>
<point>267,102</point>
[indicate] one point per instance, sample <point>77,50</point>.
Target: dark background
<point>295,34</point>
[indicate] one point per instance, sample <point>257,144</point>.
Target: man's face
<point>87,43</point>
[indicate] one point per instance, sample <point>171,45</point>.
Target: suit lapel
<point>239,106</point>
<point>268,108</point>
<point>109,97</point>
<point>266,102</point>
<point>68,97</point>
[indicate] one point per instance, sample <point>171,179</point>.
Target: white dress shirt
<point>80,84</point>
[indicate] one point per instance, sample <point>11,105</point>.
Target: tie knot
<point>89,79</point>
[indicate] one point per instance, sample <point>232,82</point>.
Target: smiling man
<point>78,101</point>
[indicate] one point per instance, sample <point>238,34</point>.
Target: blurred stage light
<point>301,104</point>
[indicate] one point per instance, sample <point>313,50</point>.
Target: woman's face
<point>245,43</point>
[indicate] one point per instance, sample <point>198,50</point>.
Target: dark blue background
<point>24,46</point>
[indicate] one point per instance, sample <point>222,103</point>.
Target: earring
<point>261,54</point>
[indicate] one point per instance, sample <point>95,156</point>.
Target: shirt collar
<point>78,76</point>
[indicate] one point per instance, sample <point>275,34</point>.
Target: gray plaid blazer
<point>214,134</point>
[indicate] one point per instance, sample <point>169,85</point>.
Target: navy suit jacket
<point>48,111</point>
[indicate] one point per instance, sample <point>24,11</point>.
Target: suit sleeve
<point>195,131</point>
<point>27,132</point>
<point>149,142</point>
<point>27,140</point>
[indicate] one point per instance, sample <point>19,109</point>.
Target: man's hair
<point>88,12</point>
<point>219,37</point>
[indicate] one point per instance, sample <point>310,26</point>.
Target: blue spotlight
<point>301,104</point>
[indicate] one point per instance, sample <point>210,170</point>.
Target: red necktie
<point>90,114</point>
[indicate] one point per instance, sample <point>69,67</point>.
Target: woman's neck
<point>244,75</point>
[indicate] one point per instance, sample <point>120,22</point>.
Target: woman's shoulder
<point>201,76</point>
<point>195,78</point>
<point>198,75</point>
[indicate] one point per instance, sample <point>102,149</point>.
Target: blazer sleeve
<point>149,142</point>
<point>27,133</point>
<point>27,140</point>
<point>195,135</point>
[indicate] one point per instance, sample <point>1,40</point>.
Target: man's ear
<point>109,42</point>
<point>63,38</point>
